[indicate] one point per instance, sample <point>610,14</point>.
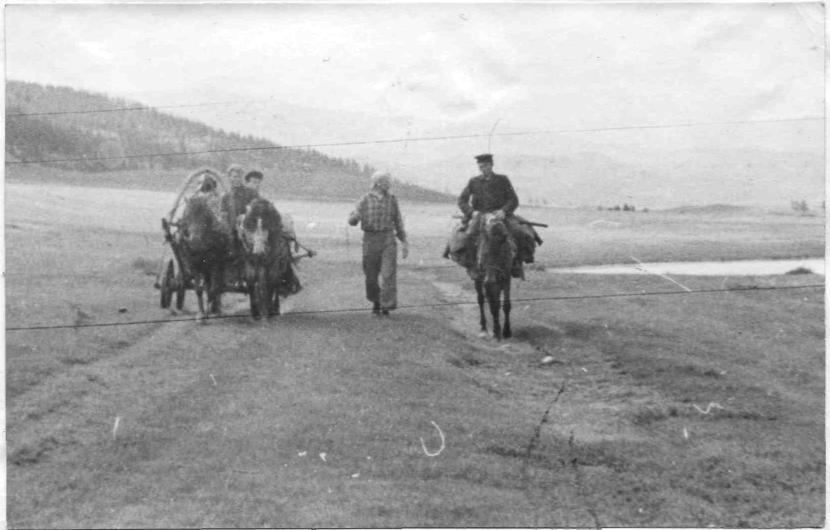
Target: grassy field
<point>675,410</point>
<point>318,184</point>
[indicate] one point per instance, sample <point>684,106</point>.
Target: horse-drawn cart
<point>175,276</point>
<point>178,272</point>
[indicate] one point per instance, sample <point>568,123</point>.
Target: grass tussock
<point>800,270</point>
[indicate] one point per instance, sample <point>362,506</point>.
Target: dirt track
<point>315,418</point>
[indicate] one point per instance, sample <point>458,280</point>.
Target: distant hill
<point>711,209</point>
<point>108,147</point>
<point>659,179</point>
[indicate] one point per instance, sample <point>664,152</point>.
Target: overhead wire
<point>411,139</point>
<point>429,306</point>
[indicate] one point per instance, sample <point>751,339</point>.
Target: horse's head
<point>496,248</point>
<point>494,227</point>
<point>260,228</point>
<point>199,226</point>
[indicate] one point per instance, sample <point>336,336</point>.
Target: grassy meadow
<point>652,411</point>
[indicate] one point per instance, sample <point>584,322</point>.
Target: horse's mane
<point>265,210</point>
<point>200,226</point>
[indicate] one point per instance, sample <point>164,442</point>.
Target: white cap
<point>381,178</point>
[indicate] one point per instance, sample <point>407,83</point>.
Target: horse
<point>204,243</point>
<point>491,271</point>
<point>267,255</point>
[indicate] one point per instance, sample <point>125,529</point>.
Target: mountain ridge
<point>92,135</point>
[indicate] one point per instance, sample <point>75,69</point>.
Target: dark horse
<point>495,253</point>
<point>204,244</point>
<point>267,256</point>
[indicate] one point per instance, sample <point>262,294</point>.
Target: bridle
<point>254,242</point>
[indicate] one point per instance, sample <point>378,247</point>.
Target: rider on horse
<point>485,193</point>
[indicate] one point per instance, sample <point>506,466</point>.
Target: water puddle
<point>704,268</point>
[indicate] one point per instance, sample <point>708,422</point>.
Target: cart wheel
<point>166,286</point>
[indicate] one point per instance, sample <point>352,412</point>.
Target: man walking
<point>380,218</point>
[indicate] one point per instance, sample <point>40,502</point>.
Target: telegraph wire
<point>428,306</point>
<point>417,139</point>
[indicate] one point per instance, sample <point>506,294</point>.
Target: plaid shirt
<point>378,212</point>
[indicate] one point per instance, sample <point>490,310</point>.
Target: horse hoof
<point>483,334</point>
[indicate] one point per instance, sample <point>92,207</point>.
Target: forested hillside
<point>93,134</point>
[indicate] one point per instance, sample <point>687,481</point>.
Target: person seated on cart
<point>233,204</point>
<point>289,283</point>
<point>239,196</point>
<point>209,191</point>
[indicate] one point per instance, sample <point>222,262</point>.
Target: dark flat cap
<point>487,157</point>
<point>253,175</point>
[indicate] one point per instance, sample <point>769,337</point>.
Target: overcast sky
<point>388,71</point>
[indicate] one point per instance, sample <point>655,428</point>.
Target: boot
<point>528,250</point>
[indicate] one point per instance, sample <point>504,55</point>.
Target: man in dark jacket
<point>233,204</point>
<point>487,192</point>
<point>492,192</point>
<point>239,196</point>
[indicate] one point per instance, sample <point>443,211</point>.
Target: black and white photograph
<point>414,265</point>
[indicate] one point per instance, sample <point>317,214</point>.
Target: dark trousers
<point>380,254</point>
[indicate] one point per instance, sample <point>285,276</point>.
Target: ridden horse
<point>204,242</point>
<point>491,273</point>
<point>267,256</point>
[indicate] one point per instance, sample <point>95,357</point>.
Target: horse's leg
<point>200,289</point>
<point>507,333</point>
<point>480,295</point>
<point>275,300</point>
<point>248,274</point>
<point>252,298</point>
<point>216,286</point>
<point>493,290</point>
<point>272,283</point>
<point>263,290</point>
